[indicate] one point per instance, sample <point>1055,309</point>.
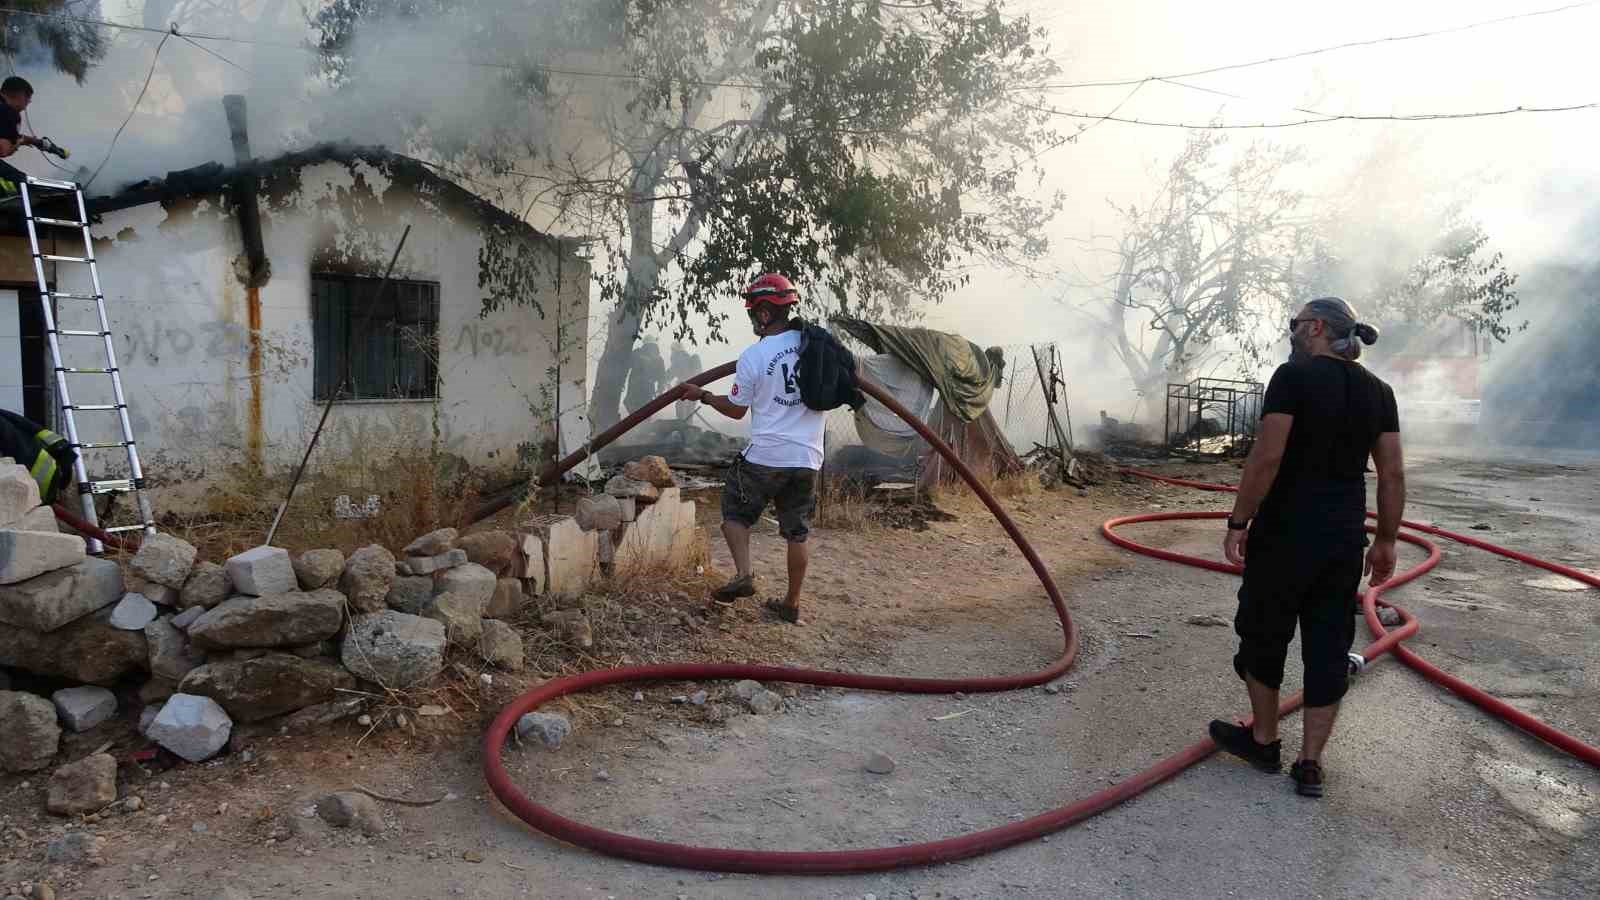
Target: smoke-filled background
<point>1385,190</point>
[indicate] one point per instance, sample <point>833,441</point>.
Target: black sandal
<point>784,611</point>
<point>1307,775</point>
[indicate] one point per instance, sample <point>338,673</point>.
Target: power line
<point>136,101</point>
<point>749,85</point>
<point>1392,39</point>
<point>1315,120</point>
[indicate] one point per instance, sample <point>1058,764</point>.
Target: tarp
<point>964,375</point>
<point>880,429</point>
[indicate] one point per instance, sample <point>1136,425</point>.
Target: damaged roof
<point>215,178</point>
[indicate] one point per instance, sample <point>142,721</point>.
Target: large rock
<point>462,617</point>
<point>494,550</point>
<point>86,786</point>
<point>501,645</point>
<point>471,582</point>
<point>652,469</point>
<point>410,594</point>
<point>88,651</point>
<point>49,601</point>
<point>367,577</point>
<point>172,656</point>
<point>623,487</point>
<point>133,612</point>
<point>19,494</point>
<point>318,568</point>
<point>255,689</point>
<point>394,649</point>
<point>506,602</point>
<point>154,591</point>
<point>194,728</point>
<point>433,543</point>
<point>164,559</point>
<point>601,512</point>
<point>26,554</point>
<point>82,708</point>
<point>549,729</point>
<point>29,735</point>
<point>428,565</point>
<point>207,586</point>
<point>277,620</point>
<point>260,571</point>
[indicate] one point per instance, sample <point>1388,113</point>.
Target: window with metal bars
<point>367,348</point>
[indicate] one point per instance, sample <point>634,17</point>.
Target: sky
<point>1530,178</point>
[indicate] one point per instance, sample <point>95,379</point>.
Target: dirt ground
<point>1427,797</point>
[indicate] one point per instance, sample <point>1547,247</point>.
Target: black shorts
<point>792,492</point>
<point>1312,584</point>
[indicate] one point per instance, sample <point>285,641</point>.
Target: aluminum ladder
<point>88,487</point>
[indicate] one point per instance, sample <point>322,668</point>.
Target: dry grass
<point>418,491</point>
<point>842,505</point>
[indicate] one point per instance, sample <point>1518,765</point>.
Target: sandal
<point>784,611</point>
<point>1307,775</point>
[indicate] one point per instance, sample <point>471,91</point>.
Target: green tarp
<point>964,374</point>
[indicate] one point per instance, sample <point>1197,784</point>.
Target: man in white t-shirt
<point>780,465</point>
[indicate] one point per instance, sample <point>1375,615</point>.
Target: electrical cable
<point>136,101</point>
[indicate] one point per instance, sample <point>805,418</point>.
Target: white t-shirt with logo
<point>785,433</point>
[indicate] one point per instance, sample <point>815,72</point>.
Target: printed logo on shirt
<point>791,371</point>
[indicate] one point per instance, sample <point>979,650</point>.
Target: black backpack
<point>827,373</point>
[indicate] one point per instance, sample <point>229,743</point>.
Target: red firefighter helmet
<point>770,288</point>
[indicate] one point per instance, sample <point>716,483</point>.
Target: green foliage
<point>67,46</point>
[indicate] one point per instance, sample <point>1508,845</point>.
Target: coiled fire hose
<point>968,845</point>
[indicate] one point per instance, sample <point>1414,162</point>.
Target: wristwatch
<point>1237,526</point>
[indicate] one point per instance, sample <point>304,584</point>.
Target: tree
<point>1213,256</point>
<point>863,148</point>
<point>42,32</point>
<point>1211,266</point>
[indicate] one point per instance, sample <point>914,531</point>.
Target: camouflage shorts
<point>792,492</point>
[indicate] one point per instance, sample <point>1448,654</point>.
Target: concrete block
<point>52,600</point>
<point>194,728</point>
<point>600,512</point>
<point>164,559</point>
<point>570,553</point>
<point>40,518</point>
<point>261,571</point>
<point>532,547</point>
<point>27,554</point>
<point>82,708</point>
<point>19,493</point>
<point>647,542</point>
<point>685,536</point>
<point>506,603</point>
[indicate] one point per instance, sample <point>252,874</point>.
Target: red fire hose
<point>842,861</point>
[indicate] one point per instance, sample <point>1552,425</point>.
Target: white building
<point>221,374</point>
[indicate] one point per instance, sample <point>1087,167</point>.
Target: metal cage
<point>1212,417</point>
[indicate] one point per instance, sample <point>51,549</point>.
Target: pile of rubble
<point>198,646</point>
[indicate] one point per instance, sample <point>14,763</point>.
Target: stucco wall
<point>204,397</point>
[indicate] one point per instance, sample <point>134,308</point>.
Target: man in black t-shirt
<point>1301,512</point>
<point>15,95</point>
